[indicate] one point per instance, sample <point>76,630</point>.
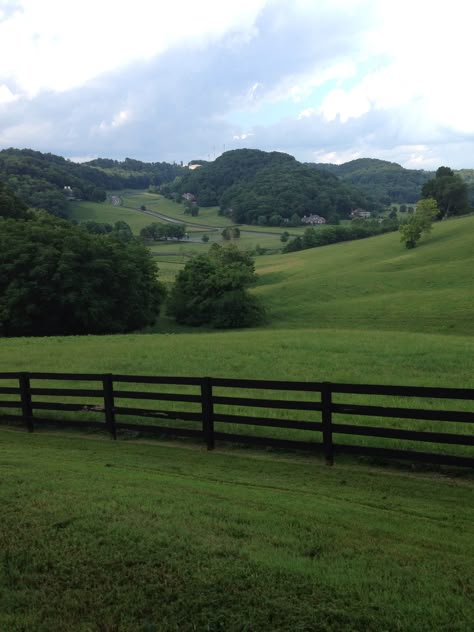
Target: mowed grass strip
<point>102,535</point>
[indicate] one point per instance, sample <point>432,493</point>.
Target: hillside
<point>39,180</point>
<point>376,283</point>
<point>269,188</point>
<point>386,182</point>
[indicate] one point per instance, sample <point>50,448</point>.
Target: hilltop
<point>258,187</point>
<point>386,182</point>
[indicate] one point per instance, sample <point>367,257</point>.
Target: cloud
<point>333,79</point>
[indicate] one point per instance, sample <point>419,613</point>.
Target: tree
<point>450,192</point>
<point>11,205</point>
<point>419,223</point>
<point>232,232</point>
<point>212,289</point>
<point>57,279</point>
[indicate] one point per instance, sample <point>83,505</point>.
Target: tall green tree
<point>450,192</point>
<point>419,223</point>
<point>212,289</point>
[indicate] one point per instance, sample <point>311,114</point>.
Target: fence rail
<point>98,408</point>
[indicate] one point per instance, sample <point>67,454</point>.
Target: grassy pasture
<point>307,355</point>
<point>376,284</point>
<point>363,312</point>
<point>107,212</point>
<point>128,536</point>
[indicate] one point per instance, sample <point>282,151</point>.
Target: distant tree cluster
<point>212,290</point>
<point>358,229</point>
<point>120,229</point>
<point>163,232</point>
<point>449,191</point>
<point>231,232</point>
<point>385,182</point>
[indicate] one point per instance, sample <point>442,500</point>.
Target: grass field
<point>207,223</point>
<point>145,536</point>
<point>133,537</point>
<point>376,284</point>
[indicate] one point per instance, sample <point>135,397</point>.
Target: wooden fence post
<point>326,403</point>
<point>108,386</point>
<point>207,412</point>
<point>26,406</point>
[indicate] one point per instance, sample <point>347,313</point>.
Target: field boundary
<point>99,408</point>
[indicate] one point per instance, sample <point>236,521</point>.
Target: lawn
<point>131,536</point>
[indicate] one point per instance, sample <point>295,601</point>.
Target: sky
<point>322,80</point>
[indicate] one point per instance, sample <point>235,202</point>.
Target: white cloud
<point>61,44</point>
<point>327,80</point>
<point>243,136</point>
<point>6,95</point>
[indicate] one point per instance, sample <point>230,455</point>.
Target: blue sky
<point>323,80</point>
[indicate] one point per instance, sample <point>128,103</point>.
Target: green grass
<point>126,536</point>
<point>107,213</point>
<point>376,284</point>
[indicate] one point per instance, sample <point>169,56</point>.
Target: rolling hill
<point>376,283</point>
<point>386,182</point>
<point>257,187</point>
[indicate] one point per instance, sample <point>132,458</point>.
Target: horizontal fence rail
<point>223,409</point>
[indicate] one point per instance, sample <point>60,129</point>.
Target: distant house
<point>189,197</point>
<point>192,167</point>
<point>313,219</point>
<point>360,213</point>
<point>69,193</point>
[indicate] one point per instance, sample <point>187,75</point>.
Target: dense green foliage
<point>358,229</point>
<point>135,174</point>
<point>40,179</point>
<point>10,205</point>
<point>450,192</point>
<point>269,188</point>
<point>163,232</point>
<point>385,182</point>
<point>212,289</point>
<point>58,279</point>
<point>119,229</point>
<point>419,223</point>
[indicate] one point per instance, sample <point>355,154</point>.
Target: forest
<point>269,188</point>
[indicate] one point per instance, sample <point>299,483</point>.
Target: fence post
<point>108,386</point>
<point>207,412</point>
<point>326,404</point>
<point>26,406</point>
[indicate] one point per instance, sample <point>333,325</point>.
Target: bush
<point>211,289</point>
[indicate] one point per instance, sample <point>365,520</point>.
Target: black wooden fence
<point>209,412</point>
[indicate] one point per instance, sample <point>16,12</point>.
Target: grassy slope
<point>106,212</point>
<point>376,284</point>
<point>123,537</point>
